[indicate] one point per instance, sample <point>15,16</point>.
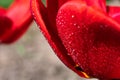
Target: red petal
<point>61,2</point>
<point>19,13</point>
<point>99,4</point>
<point>5,25</point>
<point>91,38</point>
<point>114,12</point>
<point>51,36</point>
<point>2,11</point>
<point>52,9</point>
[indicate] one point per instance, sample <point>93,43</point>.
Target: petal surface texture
<point>41,17</point>
<point>85,35</point>
<point>91,38</point>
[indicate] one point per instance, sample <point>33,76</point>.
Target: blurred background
<point>31,58</point>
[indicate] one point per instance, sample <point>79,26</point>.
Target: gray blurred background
<point>31,58</point>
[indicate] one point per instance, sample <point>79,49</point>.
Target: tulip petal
<point>114,12</point>
<point>2,11</point>
<point>5,22</point>
<point>95,52</point>
<point>91,38</point>
<point>5,25</point>
<point>99,4</point>
<point>19,13</point>
<point>52,9</point>
<point>52,37</point>
<point>61,2</point>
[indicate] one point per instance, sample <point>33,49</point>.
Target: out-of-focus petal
<point>2,11</point>
<point>20,15</point>
<point>5,25</point>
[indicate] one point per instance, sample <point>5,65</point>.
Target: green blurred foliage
<point>108,1</point>
<point>5,3</point>
<point>44,2</point>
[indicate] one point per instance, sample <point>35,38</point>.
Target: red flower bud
<point>85,34</point>
<point>14,20</point>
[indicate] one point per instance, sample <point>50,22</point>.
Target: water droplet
<point>73,51</point>
<point>73,16</point>
<point>72,33</point>
<point>78,26</point>
<point>70,42</point>
<point>74,24</point>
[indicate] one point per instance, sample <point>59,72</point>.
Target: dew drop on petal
<point>73,16</point>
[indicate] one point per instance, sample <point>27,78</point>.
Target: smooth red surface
<point>84,34</point>
<point>15,20</point>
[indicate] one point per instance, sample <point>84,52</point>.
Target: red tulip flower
<point>85,34</point>
<point>14,20</point>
